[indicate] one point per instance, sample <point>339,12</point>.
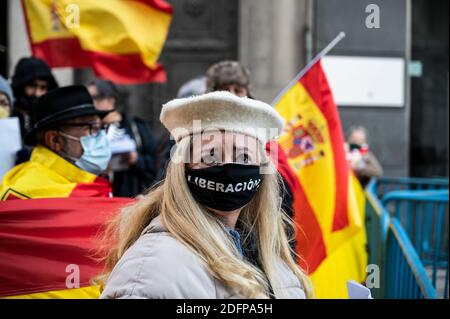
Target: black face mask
<point>354,146</point>
<point>224,187</point>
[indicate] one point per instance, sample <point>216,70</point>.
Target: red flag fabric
<point>120,40</point>
<point>43,240</point>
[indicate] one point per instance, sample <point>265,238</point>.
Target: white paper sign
<point>123,144</point>
<point>366,81</point>
<point>358,291</point>
<point>10,143</point>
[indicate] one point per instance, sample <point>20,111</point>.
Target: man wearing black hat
<point>71,150</point>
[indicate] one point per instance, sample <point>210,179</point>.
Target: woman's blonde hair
<point>203,233</point>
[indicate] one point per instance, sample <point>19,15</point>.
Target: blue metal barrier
<point>405,276</point>
<point>417,208</point>
<point>388,184</point>
<point>374,229</point>
<point>424,216</point>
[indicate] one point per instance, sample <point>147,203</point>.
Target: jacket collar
<point>155,226</point>
<point>56,163</point>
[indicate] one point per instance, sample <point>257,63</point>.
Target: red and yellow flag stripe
<point>326,205</point>
<point>47,175</point>
<point>48,245</point>
<point>120,40</point>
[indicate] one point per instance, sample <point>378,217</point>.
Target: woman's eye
<point>242,158</point>
<point>209,158</point>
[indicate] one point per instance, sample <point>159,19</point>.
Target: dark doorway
<point>202,33</point>
<point>429,91</point>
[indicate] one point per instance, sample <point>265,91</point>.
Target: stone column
<point>272,42</point>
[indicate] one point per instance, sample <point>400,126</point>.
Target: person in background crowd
<point>32,78</point>
<point>6,98</point>
<point>193,87</point>
<point>139,166</point>
<point>361,159</point>
<point>213,229</point>
<point>232,76</point>
<point>229,76</point>
<point>72,150</point>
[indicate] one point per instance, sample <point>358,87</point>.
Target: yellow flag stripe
<point>107,26</point>
<point>90,292</point>
<point>348,262</point>
<point>318,179</point>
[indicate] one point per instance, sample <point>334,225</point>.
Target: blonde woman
<point>213,228</point>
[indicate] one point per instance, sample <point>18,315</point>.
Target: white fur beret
<point>221,111</point>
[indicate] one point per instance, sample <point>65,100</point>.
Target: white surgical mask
<point>96,152</point>
<point>4,112</point>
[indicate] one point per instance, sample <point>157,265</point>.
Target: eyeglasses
<point>94,128</point>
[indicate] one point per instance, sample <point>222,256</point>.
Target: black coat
<point>153,155</point>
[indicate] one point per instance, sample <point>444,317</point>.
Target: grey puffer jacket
<point>158,266</point>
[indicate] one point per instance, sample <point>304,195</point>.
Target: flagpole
<point>311,63</point>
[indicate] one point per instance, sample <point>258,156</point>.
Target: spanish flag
<point>121,40</point>
<point>328,200</point>
<point>47,246</point>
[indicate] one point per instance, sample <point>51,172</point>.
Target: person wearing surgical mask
<point>139,155</point>
<point>214,228</point>
<point>360,157</point>
<point>71,150</point>
<point>6,98</point>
